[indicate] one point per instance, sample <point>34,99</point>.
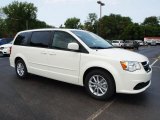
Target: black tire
<point>2,55</point>
<point>25,73</point>
<point>107,77</point>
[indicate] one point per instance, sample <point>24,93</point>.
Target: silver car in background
<point>129,44</point>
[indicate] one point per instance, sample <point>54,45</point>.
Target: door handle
<point>43,52</point>
<point>52,53</point>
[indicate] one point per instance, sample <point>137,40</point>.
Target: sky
<point>55,12</point>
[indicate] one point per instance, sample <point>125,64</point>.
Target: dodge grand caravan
<point>82,58</point>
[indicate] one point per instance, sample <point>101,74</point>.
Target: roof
<point>48,29</point>
<point>152,37</point>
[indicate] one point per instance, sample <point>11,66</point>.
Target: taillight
<point>10,50</point>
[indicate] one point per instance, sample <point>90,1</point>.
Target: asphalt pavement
<point>39,98</point>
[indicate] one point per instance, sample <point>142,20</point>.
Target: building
<point>149,40</point>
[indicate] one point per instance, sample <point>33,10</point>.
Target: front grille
<point>1,48</point>
<point>141,85</point>
<point>146,66</point>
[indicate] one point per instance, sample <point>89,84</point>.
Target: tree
<point>112,26</point>
<point>152,21</point>
<point>19,15</point>
<point>2,15</point>
<point>73,23</point>
<point>40,24</point>
<point>151,26</point>
<point>133,32</point>
<point>91,23</point>
<point>3,28</point>
<point>3,25</point>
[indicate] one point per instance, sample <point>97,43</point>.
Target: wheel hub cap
<point>98,85</point>
<point>20,69</point>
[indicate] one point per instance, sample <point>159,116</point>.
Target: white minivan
<point>82,58</point>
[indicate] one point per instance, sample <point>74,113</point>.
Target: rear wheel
<point>99,84</point>
<point>21,69</point>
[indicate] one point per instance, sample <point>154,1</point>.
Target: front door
<point>63,64</point>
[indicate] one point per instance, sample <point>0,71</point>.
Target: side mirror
<point>73,46</point>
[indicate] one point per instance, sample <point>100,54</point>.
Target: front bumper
<point>5,51</point>
<point>134,82</point>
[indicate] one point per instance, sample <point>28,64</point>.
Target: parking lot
<point>39,98</point>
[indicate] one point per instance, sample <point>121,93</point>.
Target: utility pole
<point>101,4</point>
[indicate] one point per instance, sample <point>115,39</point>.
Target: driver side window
<point>61,40</point>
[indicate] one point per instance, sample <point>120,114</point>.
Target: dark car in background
<point>129,44</point>
<point>5,40</point>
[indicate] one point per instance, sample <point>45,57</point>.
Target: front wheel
<point>99,84</point>
<point>21,69</point>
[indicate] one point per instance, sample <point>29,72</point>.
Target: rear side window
<point>22,38</point>
<point>40,39</point>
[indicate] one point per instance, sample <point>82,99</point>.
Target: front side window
<point>62,39</point>
<point>22,38</point>
<point>92,40</point>
<point>40,39</point>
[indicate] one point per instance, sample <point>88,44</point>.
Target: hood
<point>120,54</point>
<point>6,45</point>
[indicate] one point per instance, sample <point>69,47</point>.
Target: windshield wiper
<point>97,47</point>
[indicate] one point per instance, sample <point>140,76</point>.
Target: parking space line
<point>154,62</point>
<point>99,111</point>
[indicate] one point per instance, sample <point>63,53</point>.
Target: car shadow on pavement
<point>49,86</point>
<point>3,56</point>
<point>135,99</point>
<point>46,84</point>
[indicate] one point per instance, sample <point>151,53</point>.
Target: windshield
<point>10,42</point>
<point>91,40</point>
<point>115,41</point>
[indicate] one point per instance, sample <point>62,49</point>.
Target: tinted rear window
<point>40,39</point>
<point>22,38</point>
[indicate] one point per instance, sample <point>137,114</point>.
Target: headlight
<point>130,66</point>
